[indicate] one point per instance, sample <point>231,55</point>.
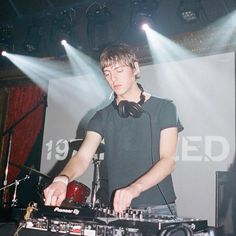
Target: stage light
<point>189,15</point>
<point>143,12</point>
<point>145,26</point>
<point>33,37</point>
<point>63,42</point>
<point>63,27</point>
<point>98,17</point>
<point>189,11</point>
<point>143,19</point>
<point>4,53</point>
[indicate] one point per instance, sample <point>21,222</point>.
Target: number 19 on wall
<point>57,149</point>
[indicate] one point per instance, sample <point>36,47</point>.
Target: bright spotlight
<point>145,26</point>
<point>4,53</point>
<point>63,42</point>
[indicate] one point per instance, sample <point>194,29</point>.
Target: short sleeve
<point>169,117</point>
<point>95,124</point>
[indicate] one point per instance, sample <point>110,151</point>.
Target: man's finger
<point>54,200</point>
<point>60,199</point>
<point>48,197</point>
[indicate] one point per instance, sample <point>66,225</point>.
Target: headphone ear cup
<point>123,109</point>
<point>134,109</point>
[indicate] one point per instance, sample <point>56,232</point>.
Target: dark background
<point>33,27</point>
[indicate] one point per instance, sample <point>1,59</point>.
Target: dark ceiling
<point>89,25</point>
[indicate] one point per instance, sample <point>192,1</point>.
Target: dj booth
<point>88,221</point>
<point>10,228</point>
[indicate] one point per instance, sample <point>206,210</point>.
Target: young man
<point>140,133</point>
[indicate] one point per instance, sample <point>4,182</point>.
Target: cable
<point>32,206</point>
<point>21,225</point>
<point>152,156</point>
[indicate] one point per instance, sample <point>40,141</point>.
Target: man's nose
<point>113,76</point>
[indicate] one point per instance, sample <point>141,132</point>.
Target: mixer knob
<point>140,215</point>
<point>131,211</point>
<point>126,215</point>
<point>134,216</point>
<point>108,210</point>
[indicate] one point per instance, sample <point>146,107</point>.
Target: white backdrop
<point>203,89</point>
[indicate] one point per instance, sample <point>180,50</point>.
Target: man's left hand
<point>124,196</point>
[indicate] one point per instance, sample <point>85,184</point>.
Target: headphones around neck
<point>133,109</point>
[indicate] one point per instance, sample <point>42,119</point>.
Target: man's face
<point>120,77</point>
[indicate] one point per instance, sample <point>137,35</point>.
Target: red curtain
<point>23,99</point>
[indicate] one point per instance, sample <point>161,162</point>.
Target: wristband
<point>62,178</point>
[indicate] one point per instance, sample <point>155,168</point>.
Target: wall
<point>204,91</point>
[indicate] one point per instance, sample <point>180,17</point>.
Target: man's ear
<point>136,69</point>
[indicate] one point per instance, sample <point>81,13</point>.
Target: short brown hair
<point>121,53</point>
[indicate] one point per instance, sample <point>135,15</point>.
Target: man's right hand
<point>55,194</point>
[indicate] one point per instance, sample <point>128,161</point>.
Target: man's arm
<point>164,167</point>
<point>78,164</point>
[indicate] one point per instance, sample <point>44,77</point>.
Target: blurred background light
<point>189,11</point>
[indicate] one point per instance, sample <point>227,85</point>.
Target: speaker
<point>225,202</point>
<point>133,109</point>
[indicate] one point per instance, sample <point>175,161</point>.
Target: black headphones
<point>133,109</point>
